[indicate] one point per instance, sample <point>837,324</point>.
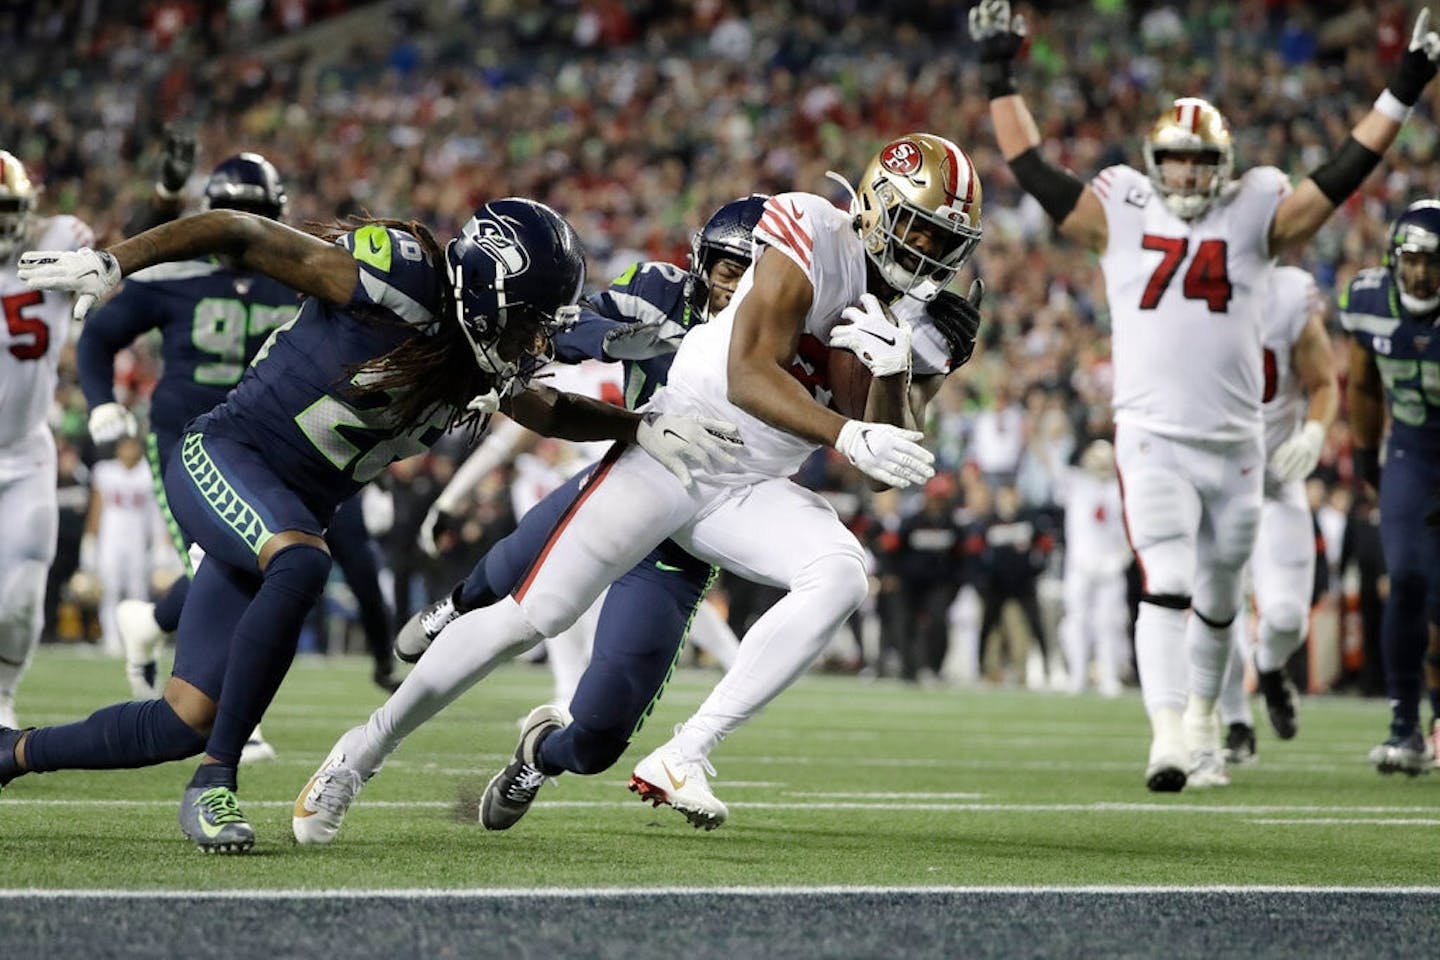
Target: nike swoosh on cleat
<point>675,784</point>
<point>211,830</point>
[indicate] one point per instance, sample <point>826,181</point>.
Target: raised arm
<point>298,260</point>
<point>1073,206</point>
<point>1301,213</point>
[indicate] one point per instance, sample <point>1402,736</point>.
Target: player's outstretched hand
<point>1000,36</point>
<point>875,335</point>
<point>885,453</point>
<point>1295,459</point>
<point>437,526</point>
<point>90,274</point>
<point>682,442</point>
<point>111,421</point>
<point>1417,65</point>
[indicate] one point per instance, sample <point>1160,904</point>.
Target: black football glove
<point>958,320</point>
<point>1000,36</point>
<point>1417,64</point>
<point>177,160</point>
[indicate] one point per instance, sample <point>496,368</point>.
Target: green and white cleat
<point>211,817</point>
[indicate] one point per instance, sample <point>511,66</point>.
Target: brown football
<point>849,383</point>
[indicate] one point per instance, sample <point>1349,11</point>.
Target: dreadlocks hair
<point>425,374</point>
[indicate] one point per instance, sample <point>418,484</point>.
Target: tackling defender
<point>398,341</point>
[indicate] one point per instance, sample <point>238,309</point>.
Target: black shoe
<point>386,680</point>
<point>512,790</point>
<point>1239,744</point>
<point>9,766</point>
<point>1279,695</point>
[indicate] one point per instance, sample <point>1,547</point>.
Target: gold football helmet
<point>1194,128</point>
<point>918,208</point>
<point>17,199</point>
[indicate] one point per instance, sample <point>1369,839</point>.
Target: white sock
<point>1161,658</point>
<point>1234,702</point>
<point>1209,652</point>
<point>776,650</point>
<point>464,653</point>
<point>1276,646</point>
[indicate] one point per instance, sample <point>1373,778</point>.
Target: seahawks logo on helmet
<point>498,238</point>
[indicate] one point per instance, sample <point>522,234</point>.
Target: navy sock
<point>263,645</point>
<point>1403,650</point>
<point>209,775</point>
<point>121,736</point>
<point>474,591</point>
<point>168,607</point>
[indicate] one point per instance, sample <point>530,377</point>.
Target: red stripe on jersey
<point>779,229</point>
<point>792,218</point>
<point>1100,187</point>
<point>603,470</point>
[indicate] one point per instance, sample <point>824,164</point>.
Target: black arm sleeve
<point>1346,169</point>
<point>1057,190</point>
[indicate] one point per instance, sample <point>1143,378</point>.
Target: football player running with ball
<point>400,339</point>
<point>1186,248</point>
<point>763,363</point>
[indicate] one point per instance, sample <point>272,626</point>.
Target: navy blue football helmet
<point>1417,232</point>
<point>249,182</point>
<point>727,234</point>
<point>516,271</point>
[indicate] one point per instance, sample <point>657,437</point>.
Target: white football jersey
<point>821,240</point>
<point>1187,300</point>
<point>127,503</point>
<point>1094,523</point>
<point>37,324</point>
<point>1293,298</point>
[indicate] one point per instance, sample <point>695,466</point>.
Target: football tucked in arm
<point>849,383</point>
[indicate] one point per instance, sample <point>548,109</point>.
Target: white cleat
<point>257,749</point>
<point>320,808</point>
<point>141,638</point>
<point>7,713</point>
<point>1207,759</point>
<point>665,776</point>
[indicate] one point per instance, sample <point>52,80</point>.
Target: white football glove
<point>886,453</point>
<point>89,274</point>
<point>485,404</point>
<point>111,421</point>
<point>678,442</point>
<point>641,341</point>
<point>1295,459</point>
<point>871,332</point>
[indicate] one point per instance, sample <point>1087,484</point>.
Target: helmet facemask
<point>891,244</point>
<point>1192,129</point>
<point>1415,262</point>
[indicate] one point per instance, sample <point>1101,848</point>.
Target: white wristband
<point>1389,105</point>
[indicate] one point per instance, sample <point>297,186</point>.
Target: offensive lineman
<point>37,325</point>
<point>1186,251</point>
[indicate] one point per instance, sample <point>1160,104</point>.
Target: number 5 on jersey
<point>1205,279</point>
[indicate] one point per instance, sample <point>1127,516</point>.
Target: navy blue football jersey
<point>1406,352</point>
<point>653,293</point>
<point>294,403</point>
<point>211,320</point>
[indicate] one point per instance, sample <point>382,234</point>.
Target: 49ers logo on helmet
<point>902,157</point>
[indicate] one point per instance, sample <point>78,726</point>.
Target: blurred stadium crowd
<point>636,118</point>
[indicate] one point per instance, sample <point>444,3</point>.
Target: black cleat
<point>385,680</point>
<point>1279,695</point>
<point>1240,744</point>
<point>511,791</point>
<point>9,766</point>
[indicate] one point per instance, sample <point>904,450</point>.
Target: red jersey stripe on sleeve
<point>780,230</point>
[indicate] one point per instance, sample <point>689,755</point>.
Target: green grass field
<point>838,783</point>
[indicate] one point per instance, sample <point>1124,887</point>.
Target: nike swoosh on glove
<point>1295,459</point>
<point>871,332</point>
<point>680,442</point>
<point>90,274</point>
<point>886,453</point>
<point>111,421</point>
